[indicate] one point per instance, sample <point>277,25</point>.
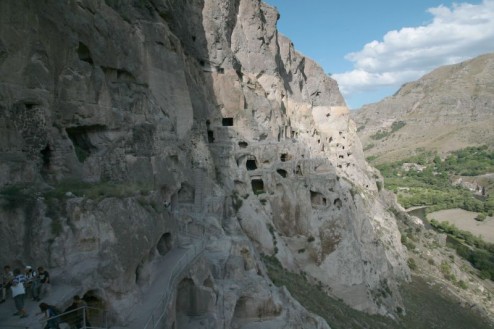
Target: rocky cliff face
<point>446,110</point>
<point>130,129</point>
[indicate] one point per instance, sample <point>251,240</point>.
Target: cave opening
<point>251,164</point>
<point>210,136</point>
<point>227,122</point>
<point>98,314</point>
<point>283,173</point>
<point>46,156</point>
<point>337,202</point>
<point>186,193</point>
<point>81,141</point>
<point>210,132</point>
<point>84,53</point>
<point>165,244</point>
<point>186,301</point>
<point>257,186</point>
<point>317,199</point>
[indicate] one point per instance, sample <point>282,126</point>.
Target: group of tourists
<point>20,284</point>
<point>34,283</point>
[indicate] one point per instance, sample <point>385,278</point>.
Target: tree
<point>480,217</point>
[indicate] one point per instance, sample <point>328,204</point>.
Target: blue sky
<point>372,47</point>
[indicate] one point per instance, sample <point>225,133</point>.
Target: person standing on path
<point>7,277</point>
<point>19,292</point>
<point>44,283</point>
<point>30,278</point>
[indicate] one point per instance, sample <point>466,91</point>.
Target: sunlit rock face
<point>131,130</point>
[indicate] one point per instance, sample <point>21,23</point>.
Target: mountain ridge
<point>447,109</point>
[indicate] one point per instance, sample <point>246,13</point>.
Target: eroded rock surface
<point>129,129</point>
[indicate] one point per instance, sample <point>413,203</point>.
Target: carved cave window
<point>338,203</point>
<point>283,173</point>
<point>81,140</point>
<point>257,186</point>
<point>251,164</point>
<point>165,244</point>
<point>84,53</point>
<point>317,199</point>
<point>210,136</point>
<point>227,122</point>
<point>285,157</point>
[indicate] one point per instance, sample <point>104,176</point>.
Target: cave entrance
<point>80,137</point>
<point>255,308</point>
<point>165,244</point>
<point>210,136</point>
<point>193,304</point>
<point>251,164</point>
<point>210,132</point>
<point>96,313</point>
<point>283,173</point>
<point>46,157</point>
<point>317,199</point>
<point>227,122</point>
<point>186,301</point>
<point>337,202</point>
<point>257,186</point>
<point>186,194</point>
<point>285,157</point>
<point>84,53</point>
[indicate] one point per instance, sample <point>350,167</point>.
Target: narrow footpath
<point>155,295</point>
<point>56,294</point>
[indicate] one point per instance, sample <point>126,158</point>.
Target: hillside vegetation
<point>426,305</point>
<point>426,180</point>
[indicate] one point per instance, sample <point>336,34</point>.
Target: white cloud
<point>455,34</point>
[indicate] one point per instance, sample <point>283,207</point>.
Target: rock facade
<point>130,129</point>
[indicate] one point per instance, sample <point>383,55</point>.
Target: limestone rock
<point>185,128</point>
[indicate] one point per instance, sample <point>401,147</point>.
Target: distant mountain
<point>450,108</point>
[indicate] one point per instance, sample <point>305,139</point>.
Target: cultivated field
<point>465,220</point>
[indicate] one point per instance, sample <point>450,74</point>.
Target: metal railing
<point>84,317</point>
<point>160,311</point>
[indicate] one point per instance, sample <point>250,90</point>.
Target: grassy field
<point>427,306</point>
<point>465,220</point>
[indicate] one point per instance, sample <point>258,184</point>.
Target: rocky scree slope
<point>129,129</point>
<point>448,109</point>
